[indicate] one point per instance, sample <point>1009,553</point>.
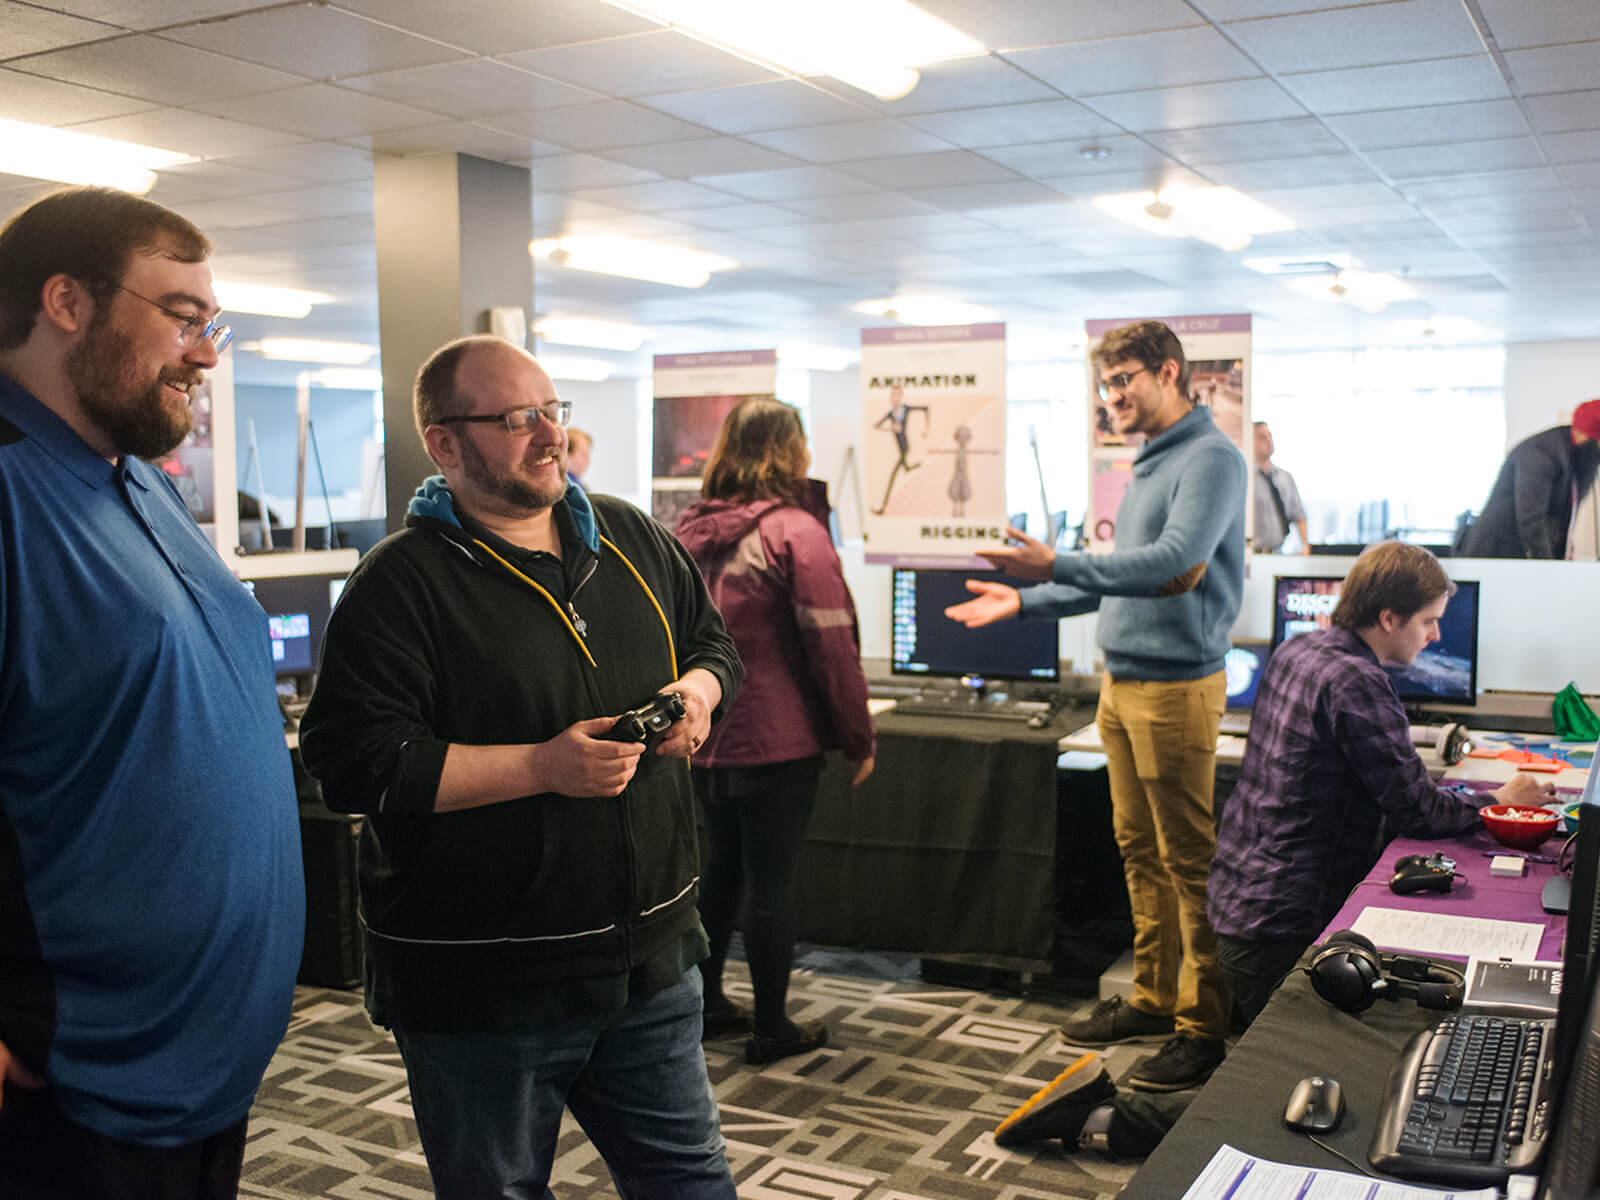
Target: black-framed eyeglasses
<point>192,330</point>
<point>1118,382</point>
<point>519,420</point>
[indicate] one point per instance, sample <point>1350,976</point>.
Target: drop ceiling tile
<point>1245,143</point>
<point>552,211</point>
<point>984,80</point>
<point>1557,112</point>
<point>982,197</point>
<point>573,172</point>
<point>1292,172</point>
<point>465,90</point>
<point>1554,68</point>
<point>312,40</point>
<point>1517,24</point>
<point>790,183</point>
<point>1306,200</point>
<point>460,137</point>
<point>1573,147</point>
<point>1580,174</point>
<point>948,168</point>
<point>737,217</point>
<point>1196,105</point>
<point>1468,225</point>
<point>850,141</point>
<point>30,30</point>
<point>1175,57</point>
<point>320,110</point>
<point>151,14</point>
<point>322,162</point>
<point>1400,31</point>
<point>153,69</point>
<point>1014,124</point>
<point>505,26</point>
<point>192,133</point>
<point>216,216</point>
<point>1158,174</point>
<point>632,225</point>
<point>1243,10</point>
<point>857,207</point>
<point>588,128</point>
<point>1011,26</point>
<point>704,156</point>
<point>1052,159</point>
<point>214,181</point>
<point>1435,124</point>
<point>1458,158</point>
<point>758,107</point>
<point>310,202</point>
<point>1402,85</point>
<point>1496,184</point>
<point>665,195</point>
<point>641,64</point>
<point>297,234</point>
<point>51,102</point>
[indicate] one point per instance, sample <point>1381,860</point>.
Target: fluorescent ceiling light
<point>588,370</point>
<point>350,379</point>
<point>874,45</point>
<point>817,358</point>
<point>1218,215</point>
<point>584,331</point>
<point>346,354</point>
<point>631,259</point>
<point>40,152</point>
<point>268,301</point>
<point>926,310</point>
<point>1370,291</point>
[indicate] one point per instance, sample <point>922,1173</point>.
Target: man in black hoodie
<point>527,886</point>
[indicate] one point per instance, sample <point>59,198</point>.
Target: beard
<point>135,415</point>
<point>516,493</point>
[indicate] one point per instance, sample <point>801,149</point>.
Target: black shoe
<point>1184,1062</point>
<point>808,1035</point>
<point>721,1021</point>
<point>1059,1109</point>
<point>1113,1022</point>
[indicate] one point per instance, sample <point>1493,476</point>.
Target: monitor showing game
<point>1242,672</point>
<point>1447,670</point>
<point>926,642</point>
<point>297,609</point>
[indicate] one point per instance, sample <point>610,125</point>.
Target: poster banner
<point>1218,350</point>
<point>934,427</point>
<point>694,393</point>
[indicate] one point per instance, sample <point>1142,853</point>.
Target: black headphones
<point>1348,972</point>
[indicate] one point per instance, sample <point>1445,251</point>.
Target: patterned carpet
<point>899,1106</point>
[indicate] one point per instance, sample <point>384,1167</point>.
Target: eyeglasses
<point>191,330</point>
<point>1118,383</point>
<point>519,420</point>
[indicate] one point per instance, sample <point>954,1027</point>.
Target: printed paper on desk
<point>1234,1175</point>
<point>1443,933</point>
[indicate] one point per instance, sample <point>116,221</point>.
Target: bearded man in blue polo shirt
<point>152,903</point>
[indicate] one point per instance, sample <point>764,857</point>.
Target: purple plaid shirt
<point>1329,756</point>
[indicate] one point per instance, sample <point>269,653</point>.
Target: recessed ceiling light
<point>1095,153</point>
<point>1218,215</point>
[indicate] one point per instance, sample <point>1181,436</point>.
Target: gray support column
<point>452,234</point>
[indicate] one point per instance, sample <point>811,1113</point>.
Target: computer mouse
<point>1038,721</point>
<point>1410,880</point>
<point>1315,1106</point>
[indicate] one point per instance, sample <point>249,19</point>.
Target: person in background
<point>152,900</point>
<point>760,537</point>
<point>1167,596</point>
<point>1277,504</point>
<point>1541,483</point>
<point>1329,760</point>
<point>527,883</point>
<point>579,447</point>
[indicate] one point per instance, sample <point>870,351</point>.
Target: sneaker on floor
<point>1059,1109</point>
<point>807,1035</point>
<point>1113,1022</point>
<point>1184,1062</point>
<point>723,1020</point>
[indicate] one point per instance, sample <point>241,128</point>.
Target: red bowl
<point>1520,826</point>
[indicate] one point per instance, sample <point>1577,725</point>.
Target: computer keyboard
<point>964,706</point>
<point>1467,1103</point>
<point>1236,723</point>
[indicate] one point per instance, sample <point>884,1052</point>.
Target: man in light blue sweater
<point>1167,597</point>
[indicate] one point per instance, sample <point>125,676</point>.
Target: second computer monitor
<point>926,642</point>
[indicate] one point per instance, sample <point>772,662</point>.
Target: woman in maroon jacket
<point>761,538</point>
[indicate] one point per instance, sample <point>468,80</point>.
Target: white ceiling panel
<point>30,30</point>
<point>1573,147</point>
<point>704,156</point>
<point>1557,113</point>
<point>151,14</point>
<point>572,172</point>
<point>983,80</point>
<point>1400,31</point>
<point>191,133</point>
<point>1497,184</point>
<point>790,183</point>
<point>1459,158</point>
<point>857,206</point>
<point>51,102</point>
<point>757,107</point>
<point>589,128</point>
<point>307,203</point>
<point>319,162</point>
<point>505,26</point>
<point>1172,57</point>
<point>642,64</point>
<point>1242,10</point>
<point>981,198</point>
<point>215,216</point>
<point>1012,26</point>
<point>477,88</point>
<point>1584,174</point>
<point>735,217</point>
<point>1310,171</point>
<point>1518,24</point>
<point>1245,100</point>
<point>153,69</point>
<point>460,137</point>
<point>664,195</point>
<point>1246,143</point>
<point>1429,126</point>
<point>215,181</point>
<point>847,142</point>
<point>1053,159</point>
<point>319,42</point>
<point>1361,89</point>
<point>1554,68</point>
<point>1013,124</point>
<point>949,168</point>
<point>320,110</point>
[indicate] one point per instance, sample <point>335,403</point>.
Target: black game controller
<point>1423,873</point>
<point>649,722</point>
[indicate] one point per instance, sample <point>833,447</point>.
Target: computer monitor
<point>926,642</point>
<point>1241,672</point>
<point>297,608</point>
<point>1446,671</point>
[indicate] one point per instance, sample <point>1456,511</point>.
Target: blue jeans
<point>488,1105</point>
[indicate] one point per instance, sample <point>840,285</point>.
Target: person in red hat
<point>1541,485</point>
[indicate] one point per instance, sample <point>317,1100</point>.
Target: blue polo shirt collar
<point>41,423</point>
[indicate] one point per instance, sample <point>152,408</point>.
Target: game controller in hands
<point>649,722</point>
<point>1423,873</point>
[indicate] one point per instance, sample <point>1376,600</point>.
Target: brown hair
<point>434,394</point>
<point>89,233</point>
<point>1149,343</point>
<point>1396,576</point>
<point>760,454</point>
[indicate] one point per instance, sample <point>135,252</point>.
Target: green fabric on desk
<point>1574,720</point>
